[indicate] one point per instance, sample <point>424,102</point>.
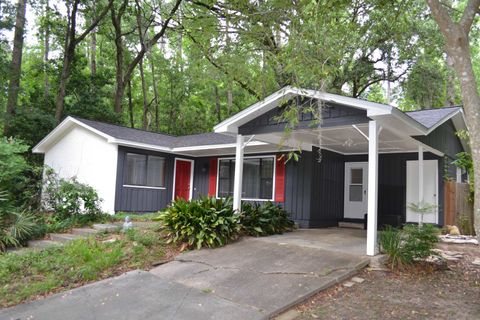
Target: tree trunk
<point>155,90</point>
<point>16,64</point>
<point>93,46</point>
<point>46,53</point>
<point>71,42</point>
<point>218,106</point>
<point>450,84</point>
<point>130,104</point>
<point>119,82</point>
<point>458,49</point>
<point>145,121</point>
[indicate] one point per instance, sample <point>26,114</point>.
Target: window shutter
<point>212,180</point>
<point>280,179</point>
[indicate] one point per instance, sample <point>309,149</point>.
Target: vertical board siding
<point>298,187</point>
<point>327,188</point>
<point>201,177</point>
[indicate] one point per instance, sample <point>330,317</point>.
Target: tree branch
<point>441,15</point>
<point>95,22</point>
<point>469,13</point>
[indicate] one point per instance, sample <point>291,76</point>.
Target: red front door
<point>183,174</point>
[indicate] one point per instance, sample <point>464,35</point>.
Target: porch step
<point>106,227</point>
<point>352,225</point>
<point>42,244</point>
<point>84,231</point>
<point>64,237</point>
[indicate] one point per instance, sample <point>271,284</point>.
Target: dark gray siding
<point>445,140</point>
<point>327,188</point>
<point>298,188</point>
<point>142,199</point>
<point>392,183</point>
<point>332,115</point>
<point>201,177</point>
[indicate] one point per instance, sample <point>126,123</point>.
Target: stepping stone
<point>289,315</point>
<point>349,284</point>
<point>358,279</point>
<point>84,231</point>
<point>476,262</point>
<point>64,237</point>
<point>41,244</point>
<point>106,227</point>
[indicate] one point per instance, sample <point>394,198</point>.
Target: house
<point>362,161</point>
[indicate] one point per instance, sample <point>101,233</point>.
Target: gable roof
<point>136,137</point>
<point>431,117</point>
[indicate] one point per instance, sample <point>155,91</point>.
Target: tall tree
<point>71,42</point>
<point>16,64</point>
<point>145,47</point>
<point>457,46</point>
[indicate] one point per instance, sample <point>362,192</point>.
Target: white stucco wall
<point>88,157</point>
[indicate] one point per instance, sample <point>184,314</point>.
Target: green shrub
<point>15,227</point>
<point>70,198</point>
<point>263,220</point>
<point>408,245</point>
<point>390,242</point>
<point>206,222</point>
<point>419,241</point>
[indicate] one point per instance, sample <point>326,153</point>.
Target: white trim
<point>192,167</point>
<point>372,192</point>
<point>143,187</point>
<point>216,146</point>
<point>274,156</point>
<point>346,187</point>
<point>443,120</point>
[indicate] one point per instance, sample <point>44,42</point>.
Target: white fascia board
<point>215,146</point>
<point>67,123</point>
<point>139,145</point>
<point>253,111</point>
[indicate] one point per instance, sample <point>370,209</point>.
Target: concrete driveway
<point>254,278</point>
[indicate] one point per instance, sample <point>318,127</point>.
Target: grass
<point>30,274</point>
<point>134,216</point>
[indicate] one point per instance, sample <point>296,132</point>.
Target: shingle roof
<point>431,117</point>
<point>157,139</point>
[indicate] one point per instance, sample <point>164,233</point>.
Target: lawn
<point>32,274</point>
<point>449,294</point>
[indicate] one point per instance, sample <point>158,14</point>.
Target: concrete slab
<point>134,295</point>
<point>260,272</point>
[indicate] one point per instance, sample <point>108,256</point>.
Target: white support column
<point>237,182</point>
<point>421,178</point>
<point>373,131</point>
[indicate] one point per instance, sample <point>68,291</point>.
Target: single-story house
<point>362,162</point>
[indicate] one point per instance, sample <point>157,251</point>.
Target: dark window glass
<point>144,170</point>
<point>257,178</point>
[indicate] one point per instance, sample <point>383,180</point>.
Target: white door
<point>430,189</point>
<point>356,184</point>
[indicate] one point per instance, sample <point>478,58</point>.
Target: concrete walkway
<point>254,278</point>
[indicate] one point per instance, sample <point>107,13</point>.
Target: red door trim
<point>192,166</point>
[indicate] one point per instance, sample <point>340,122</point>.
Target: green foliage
<point>263,220</point>
<point>206,222</point>
<point>408,245</point>
<point>70,199</point>
<point>465,162</point>
<point>12,164</point>
<point>15,227</point>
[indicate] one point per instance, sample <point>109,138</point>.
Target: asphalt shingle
<point>431,117</point>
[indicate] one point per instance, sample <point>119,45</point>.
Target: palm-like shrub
<point>15,227</point>
<point>263,220</point>
<point>206,222</point>
<point>408,245</point>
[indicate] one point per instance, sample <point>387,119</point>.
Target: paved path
<point>254,278</point>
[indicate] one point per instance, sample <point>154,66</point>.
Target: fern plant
<point>14,226</point>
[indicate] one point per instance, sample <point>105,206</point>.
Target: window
<point>257,178</point>
<point>144,170</point>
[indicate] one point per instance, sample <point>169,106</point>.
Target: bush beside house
<point>211,222</point>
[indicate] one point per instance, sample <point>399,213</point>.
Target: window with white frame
<point>257,182</point>
<point>144,170</point>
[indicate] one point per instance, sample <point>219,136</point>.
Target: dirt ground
<point>453,293</point>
